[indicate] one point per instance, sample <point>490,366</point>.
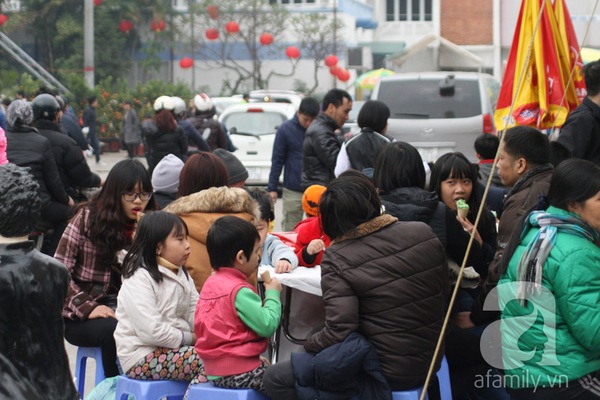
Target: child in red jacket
<point>311,240</point>
<point>232,323</point>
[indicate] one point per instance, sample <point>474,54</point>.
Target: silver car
<point>439,112</point>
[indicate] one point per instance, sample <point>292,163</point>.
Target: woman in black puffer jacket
<point>162,135</point>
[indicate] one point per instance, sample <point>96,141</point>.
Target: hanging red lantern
<point>157,26</point>
<point>334,70</point>
<point>232,27</point>
<point>343,75</point>
<point>186,62</point>
<point>213,11</point>
<point>97,2</point>
<point>125,26</point>
<point>292,52</point>
<point>266,39</point>
<point>211,33</point>
<point>331,60</point>
<point>3,19</point>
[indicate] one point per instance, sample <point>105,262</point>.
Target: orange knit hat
<point>311,198</point>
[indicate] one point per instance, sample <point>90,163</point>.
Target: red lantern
<point>334,70</point>
<point>97,2</point>
<point>331,60</point>
<point>186,62</point>
<point>232,27</point>
<point>343,75</point>
<point>3,19</point>
<point>125,26</point>
<point>211,34</point>
<point>292,52</point>
<point>266,39</point>
<point>157,26</point>
<point>213,11</point>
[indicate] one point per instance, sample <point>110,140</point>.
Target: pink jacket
<point>3,159</point>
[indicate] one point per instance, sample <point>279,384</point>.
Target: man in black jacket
<point>89,121</point>
<point>581,132</point>
<point>321,146</point>
<point>75,173</point>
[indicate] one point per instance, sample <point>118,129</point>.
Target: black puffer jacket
<point>414,204</point>
<point>159,144</point>
<point>74,171</point>
<point>319,152</point>
<point>364,147</point>
<point>27,148</point>
<point>387,281</point>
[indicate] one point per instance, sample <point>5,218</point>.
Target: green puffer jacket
<point>568,313</point>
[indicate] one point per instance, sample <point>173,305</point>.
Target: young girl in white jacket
<point>156,304</point>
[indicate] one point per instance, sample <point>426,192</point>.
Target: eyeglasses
<point>131,196</point>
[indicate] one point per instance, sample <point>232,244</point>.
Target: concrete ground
<point>108,160</point>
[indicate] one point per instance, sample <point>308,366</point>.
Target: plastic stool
<point>443,376</point>
<point>149,389</point>
<point>83,353</point>
<point>208,391</point>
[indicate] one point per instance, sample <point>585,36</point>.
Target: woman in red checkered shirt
<point>92,247</point>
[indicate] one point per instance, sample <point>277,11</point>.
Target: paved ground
<point>108,160</point>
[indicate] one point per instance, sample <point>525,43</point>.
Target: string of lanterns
<point>231,27</point>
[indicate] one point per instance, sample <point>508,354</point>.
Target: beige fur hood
<point>216,200</point>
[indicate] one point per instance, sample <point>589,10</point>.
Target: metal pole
<point>192,9</point>
<point>335,37</point>
<point>88,42</point>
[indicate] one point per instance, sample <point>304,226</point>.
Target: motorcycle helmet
<point>45,106</point>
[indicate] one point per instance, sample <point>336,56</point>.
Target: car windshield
<point>420,99</point>
<point>254,123</point>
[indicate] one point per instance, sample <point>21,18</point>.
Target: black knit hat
<point>236,171</point>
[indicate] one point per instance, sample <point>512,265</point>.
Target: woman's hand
<point>102,312</point>
<point>468,226</point>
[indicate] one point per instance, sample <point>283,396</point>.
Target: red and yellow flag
<point>576,91</point>
<point>538,100</point>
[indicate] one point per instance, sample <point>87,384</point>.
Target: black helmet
<point>45,106</point>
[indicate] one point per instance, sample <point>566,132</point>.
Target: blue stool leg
<point>83,353</point>
<point>443,376</point>
<point>80,373</point>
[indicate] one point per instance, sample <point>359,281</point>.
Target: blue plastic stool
<point>443,376</point>
<point>149,390</point>
<point>83,353</point>
<point>208,391</point>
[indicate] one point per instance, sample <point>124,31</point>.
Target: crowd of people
<point>159,268</point>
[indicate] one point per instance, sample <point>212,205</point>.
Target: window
<point>429,104</point>
<point>409,10</point>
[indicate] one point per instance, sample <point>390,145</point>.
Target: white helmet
<point>178,105</point>
<point>202,102</point>
<point>164,102</point>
